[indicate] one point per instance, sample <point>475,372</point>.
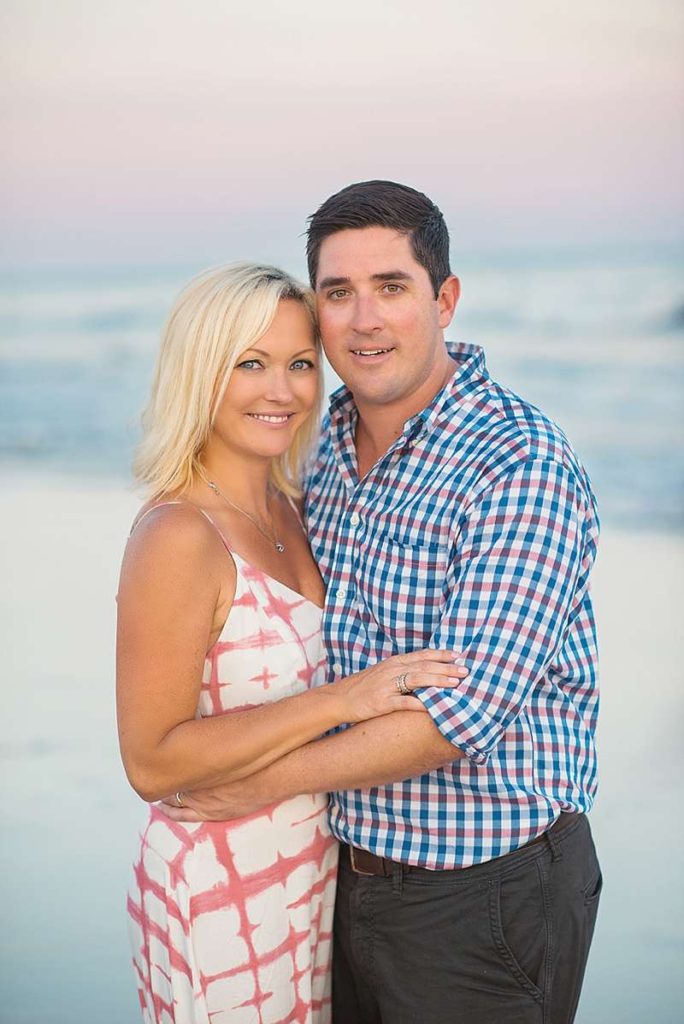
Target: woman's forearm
<point>169,576</point>
<point>193,754</point>
<point>228,747</point>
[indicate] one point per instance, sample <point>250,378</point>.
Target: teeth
<point>269,419</point>
<point>370,352</point>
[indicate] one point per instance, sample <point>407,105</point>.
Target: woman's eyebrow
<point>267,355</point>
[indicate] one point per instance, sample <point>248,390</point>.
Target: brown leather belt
<point>362,862</point>
<point>365,863</point>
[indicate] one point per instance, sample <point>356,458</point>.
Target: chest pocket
<point>401,587</point>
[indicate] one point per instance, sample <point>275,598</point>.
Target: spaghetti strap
<point>201,511</point>
<point>217,528</point>
<point>138,520</point>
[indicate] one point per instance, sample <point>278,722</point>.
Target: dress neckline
<point>273,579</point>
<point>233,554</point>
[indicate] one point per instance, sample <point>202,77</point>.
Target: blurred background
<point>145,141</point>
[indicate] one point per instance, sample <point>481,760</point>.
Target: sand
<point>70,819</point>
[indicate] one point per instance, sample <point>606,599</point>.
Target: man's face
<point>380,323</point>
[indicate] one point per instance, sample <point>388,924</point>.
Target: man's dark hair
<point>384,204</point>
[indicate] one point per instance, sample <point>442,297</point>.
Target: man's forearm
<point>382,750</point>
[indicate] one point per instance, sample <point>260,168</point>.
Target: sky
<point>165,131</point>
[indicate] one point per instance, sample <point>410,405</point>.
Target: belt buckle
<point>355,869</point>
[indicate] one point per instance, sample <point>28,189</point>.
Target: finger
<point>172,801</point>
<point>436,682</point>
<point>436,675</point>
<point>185,814</point>
<point>428,654</point>
<point>448,671</point>
<point>429,665</point>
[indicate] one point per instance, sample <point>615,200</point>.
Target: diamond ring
<point>400,683</point>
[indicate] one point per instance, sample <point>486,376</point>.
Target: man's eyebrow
<point>392,275</point>
<point>333,282</point>
<point>386,275</point>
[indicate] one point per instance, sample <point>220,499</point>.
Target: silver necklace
<point>278,545</point>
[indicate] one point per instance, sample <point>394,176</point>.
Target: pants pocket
<point>519,925</point>
<point>593,891</point>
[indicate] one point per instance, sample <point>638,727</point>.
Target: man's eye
<point>393,289</point>
<point>302,364</point>
<point>249,364</point>
<point>338,293</point>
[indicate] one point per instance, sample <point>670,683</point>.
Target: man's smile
<point>373,354</point>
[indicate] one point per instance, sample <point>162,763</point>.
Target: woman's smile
<point>272,419</point>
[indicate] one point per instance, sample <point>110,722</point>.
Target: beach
<point>71,819</point>
<point>148,142</point>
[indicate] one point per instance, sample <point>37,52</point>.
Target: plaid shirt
<point>476,532</point>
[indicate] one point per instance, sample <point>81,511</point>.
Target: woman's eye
<point>302,364</point>
<point>249,364</point>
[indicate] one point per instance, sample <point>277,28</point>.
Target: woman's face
<point>272,389</point>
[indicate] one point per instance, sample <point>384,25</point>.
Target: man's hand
<point>220,803</point>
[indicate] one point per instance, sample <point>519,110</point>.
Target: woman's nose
<point>279,387</point>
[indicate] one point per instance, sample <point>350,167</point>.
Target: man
<point>445,512</point>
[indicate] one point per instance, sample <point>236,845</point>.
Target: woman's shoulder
<point>163,510</point>
<point>174,528</point>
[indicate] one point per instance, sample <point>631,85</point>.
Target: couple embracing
<point>356,666</point>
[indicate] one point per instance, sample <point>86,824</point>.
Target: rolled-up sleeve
<point>517,578</point>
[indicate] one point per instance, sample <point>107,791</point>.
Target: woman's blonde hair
<point>220,313</point>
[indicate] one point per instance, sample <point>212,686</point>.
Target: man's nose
<point>366,316</point>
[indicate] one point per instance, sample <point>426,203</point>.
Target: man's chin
<point>378,395</point>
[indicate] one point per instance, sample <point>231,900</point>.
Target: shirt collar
<point>469,374</point>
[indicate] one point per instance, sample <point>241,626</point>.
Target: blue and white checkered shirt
<point>475,532</point>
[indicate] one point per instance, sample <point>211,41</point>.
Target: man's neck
<point>379,426</point>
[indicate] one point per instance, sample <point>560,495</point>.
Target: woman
<point>219,611</point>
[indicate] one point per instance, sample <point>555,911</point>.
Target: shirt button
<point>355,519</point>
<point>342,593</point>
<point>337,668</point>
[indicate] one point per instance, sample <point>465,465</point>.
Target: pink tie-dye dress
<point>231,922</point>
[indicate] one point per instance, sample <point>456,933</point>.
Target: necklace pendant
<point>279,547</point>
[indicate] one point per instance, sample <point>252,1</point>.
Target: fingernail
<point>457,679</point>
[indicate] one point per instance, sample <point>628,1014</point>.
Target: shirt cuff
<point>464,723</point>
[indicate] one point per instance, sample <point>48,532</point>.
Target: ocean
<point>595,340</point>
<point>598,343</point>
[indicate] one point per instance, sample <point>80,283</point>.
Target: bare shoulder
<point>174,540</point>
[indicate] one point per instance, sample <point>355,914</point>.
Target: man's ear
<point>448,297</point>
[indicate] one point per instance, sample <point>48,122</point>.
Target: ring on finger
<point>400,683</point>
<point>179,798</point>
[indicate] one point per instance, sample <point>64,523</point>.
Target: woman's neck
<point>244,481</point>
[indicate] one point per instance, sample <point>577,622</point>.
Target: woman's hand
<point>384,687</point>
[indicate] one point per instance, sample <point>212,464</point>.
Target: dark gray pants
<point>504,942</point>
